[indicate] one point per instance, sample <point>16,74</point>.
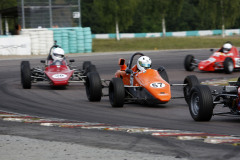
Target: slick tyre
<point>90,68</point>
<point>190,81</point>
<point>116,92</point>
<point>201,103</point>
<point>162,72</point>
<point>93,87</point>
<point>228,65</point>
<point>86,64</point>
<point>188,63</point>
<point>26,75</point>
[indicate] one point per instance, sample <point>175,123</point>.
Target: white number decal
<point>157,85</point>
<point>211,59</point>
<point>237,62</point>
<point>59,76</point>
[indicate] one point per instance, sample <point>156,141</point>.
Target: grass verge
<point>137,44</point>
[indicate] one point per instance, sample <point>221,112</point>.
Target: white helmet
<point>58,54</point>
<point>227,47</point>
<point>143,63</point>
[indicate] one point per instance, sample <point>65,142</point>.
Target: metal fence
<point>49,13</point>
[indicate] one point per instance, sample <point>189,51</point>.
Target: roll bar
<point>130,61</point>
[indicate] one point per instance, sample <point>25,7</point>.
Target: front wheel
<point>189,63</point>
<point>86,64</point>
<point>93,87</point>
<point>90,68</point>
<point>201,103</point>
<point>26,75</point>
<point>190,81</point>
<point>228,65</point>
<point>162,72</point>
<point>116,92</point>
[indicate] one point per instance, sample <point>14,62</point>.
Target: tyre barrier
<point>72,40</point>
<point>41,40</point>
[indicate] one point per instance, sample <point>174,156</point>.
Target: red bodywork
<point>215,61</point>
<point>149,79</point>
<point>58,75</point>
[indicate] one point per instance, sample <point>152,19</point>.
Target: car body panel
<point>153,83</point>
<point>58,74</point>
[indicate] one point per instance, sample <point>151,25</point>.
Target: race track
<point>72,104</point>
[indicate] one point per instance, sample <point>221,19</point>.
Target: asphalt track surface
<point>72,104</point>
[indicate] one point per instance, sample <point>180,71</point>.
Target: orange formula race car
<point>138,83</point>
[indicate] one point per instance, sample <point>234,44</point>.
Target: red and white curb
<point>179,134</point>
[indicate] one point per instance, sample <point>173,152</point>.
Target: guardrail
<point>228,32</point>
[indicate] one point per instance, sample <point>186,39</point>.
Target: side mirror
<point>43,61</point>
<point>71,60</point>
<point>211,50</point>
<point>129,71</point>
<point>121,61</point>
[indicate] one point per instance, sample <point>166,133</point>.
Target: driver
<point>56,55</point>
<point>143,63</point>
<point>226,47</point>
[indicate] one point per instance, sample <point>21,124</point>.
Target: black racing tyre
<point>238,82</point>
<point>190,82</point>
<point>162,72</point>
<point>26,75</point>
<point>116,92</point>
<point>188,63</point>
<point>201,103</point>
<point>86,64</point>
<point>228,65</point>
<point>93,87</point>
<point>90,68</point>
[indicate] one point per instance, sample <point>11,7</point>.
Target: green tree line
<point>141,16</point>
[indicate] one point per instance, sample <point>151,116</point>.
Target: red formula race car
<point>137,84</point>
<point>56,70</point>
<point>226,58</point>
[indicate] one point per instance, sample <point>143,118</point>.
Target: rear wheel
<point>189,63</point>
<point>116,92</point>
<point>228,65</point>
<point>162,72</point>
<point>93,86</point>
<point>201,103</point>
<point>190,82</point>
<point>26,75</point>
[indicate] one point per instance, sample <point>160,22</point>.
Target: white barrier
<point>15,45</point>
<point>41,40</point>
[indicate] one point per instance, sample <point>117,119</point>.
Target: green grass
<point>137,44</point>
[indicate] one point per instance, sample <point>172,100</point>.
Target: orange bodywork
<point>149,79</point>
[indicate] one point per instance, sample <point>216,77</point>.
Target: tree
<point>218,13</point>
<point>187,17</point>
<point>160,8</point>
<point>154,12</point>
<point>8,4</point>
<point>118,12</point>
<point>11,22</point>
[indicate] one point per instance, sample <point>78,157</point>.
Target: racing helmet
<point>58,54</point>
<point>143,63</point>
<point>227,47</point>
